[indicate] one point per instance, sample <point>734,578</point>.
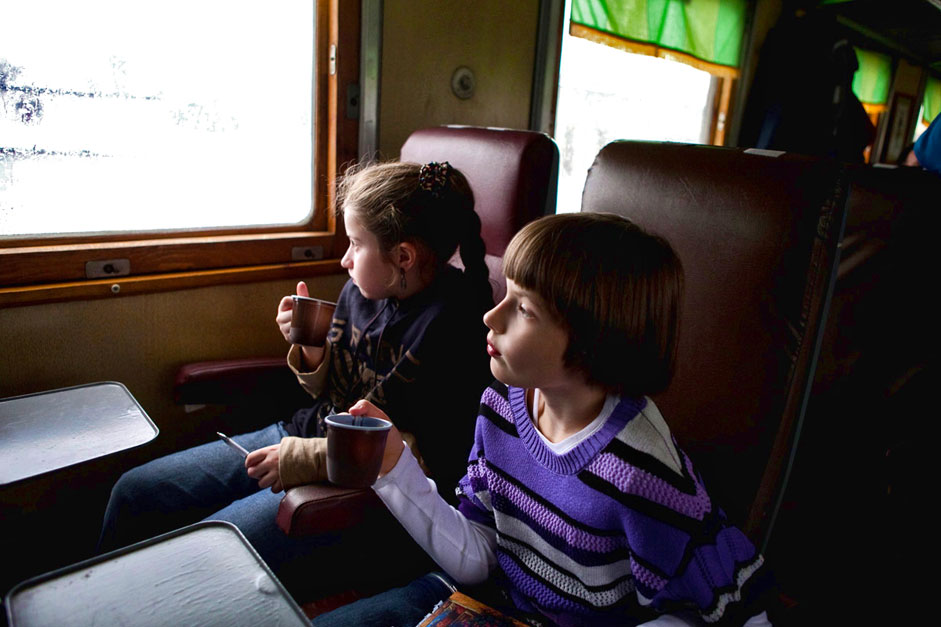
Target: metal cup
<point>355,446</point>
<point>310,320</point>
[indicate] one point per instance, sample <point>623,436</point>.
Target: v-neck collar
<point>574,460</point>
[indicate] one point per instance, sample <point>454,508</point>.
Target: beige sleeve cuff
<point>302,461</point>
<point>312,382</point>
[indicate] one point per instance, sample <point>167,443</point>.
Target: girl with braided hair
<point>407,334</point>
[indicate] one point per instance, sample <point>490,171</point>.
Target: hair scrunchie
<point>433,177</point>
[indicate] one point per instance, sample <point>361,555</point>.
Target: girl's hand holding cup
<point>286,311</point>
<point>305,321</point>
<point>394,443</point>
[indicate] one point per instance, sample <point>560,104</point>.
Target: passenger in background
<point>926,152</point>
<point>406,335</point>
<point>801,99</point>
<point>577,501</point>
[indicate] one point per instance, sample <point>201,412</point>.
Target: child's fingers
<point>359,407</point>
<point>254,458</point>
<point>286,304</point>
<point>302,289</point>
<point>365,408</point>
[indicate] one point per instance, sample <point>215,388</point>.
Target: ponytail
<point>473,254</point>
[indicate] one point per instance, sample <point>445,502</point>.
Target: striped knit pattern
<point>607,532</point>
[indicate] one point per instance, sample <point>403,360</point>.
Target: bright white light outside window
<point>133,116</point>
<point>607,94</point>
<point>920,125</point>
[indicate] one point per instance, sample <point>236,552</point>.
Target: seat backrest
<point>881,316</point>
<point>866,433</point>
<point>512,173</point>
<point>757,235</point>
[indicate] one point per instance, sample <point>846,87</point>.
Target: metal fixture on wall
<point>463,82</point>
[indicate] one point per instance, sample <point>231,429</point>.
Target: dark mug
<point>310,320</point>
<point>355,446</point>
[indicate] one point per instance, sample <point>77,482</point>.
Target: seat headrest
<point>512,173</point>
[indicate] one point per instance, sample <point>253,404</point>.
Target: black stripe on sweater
<point>647,462</point>
<point>691,526</point>
<point>501,423</point>
<point>500,388</point>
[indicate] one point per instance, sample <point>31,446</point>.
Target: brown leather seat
<point>757,235</point>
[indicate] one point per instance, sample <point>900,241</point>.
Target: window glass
<point>607,94</point>
<point>132,116</point>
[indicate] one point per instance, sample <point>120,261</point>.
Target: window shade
<point>871,81</point>
<point>709,30</point>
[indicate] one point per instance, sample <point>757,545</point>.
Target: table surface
<point>203,574</point>
<point>50,430</point>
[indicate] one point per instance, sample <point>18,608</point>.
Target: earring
<point>403,284</point>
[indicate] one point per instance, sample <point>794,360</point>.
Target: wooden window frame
<point>54,268</point>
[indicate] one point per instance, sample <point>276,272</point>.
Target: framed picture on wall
<point>899,137</point>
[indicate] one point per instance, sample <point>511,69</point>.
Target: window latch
<point>107,268</point>
<point>306,253</point>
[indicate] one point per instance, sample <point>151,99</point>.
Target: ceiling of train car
<point>909,27</point>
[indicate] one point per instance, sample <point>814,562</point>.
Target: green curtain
<point>710,30</point>
<point>871,81</point>
<point>932,102</point>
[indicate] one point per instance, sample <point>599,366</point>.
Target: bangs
<point>537,260</point>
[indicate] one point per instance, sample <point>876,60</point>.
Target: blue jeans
<point>207,482</point>
<point>399,607</point>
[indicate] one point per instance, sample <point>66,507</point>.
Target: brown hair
<point>616,289</point>
<point>389,201</point>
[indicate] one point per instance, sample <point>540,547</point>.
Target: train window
<point>661,100</point>
<point>176,118</point>
<point>652,71</point>
<point>177,135</point>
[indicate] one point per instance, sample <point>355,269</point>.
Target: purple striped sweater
<point>606,532</point>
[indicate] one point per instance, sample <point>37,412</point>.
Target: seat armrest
<point>235,381</point>
<point>323,507</point>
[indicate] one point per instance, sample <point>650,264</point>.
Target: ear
<point>405,255</point>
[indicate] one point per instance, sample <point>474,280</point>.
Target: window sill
<point>36,265</point>
<point>148,284</point>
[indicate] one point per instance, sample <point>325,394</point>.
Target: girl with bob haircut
<point>406,335</point>
<point>577,507</point>
<point>626,349</point>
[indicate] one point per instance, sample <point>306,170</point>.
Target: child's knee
<point>131,485</point>
<point>426,591</point>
